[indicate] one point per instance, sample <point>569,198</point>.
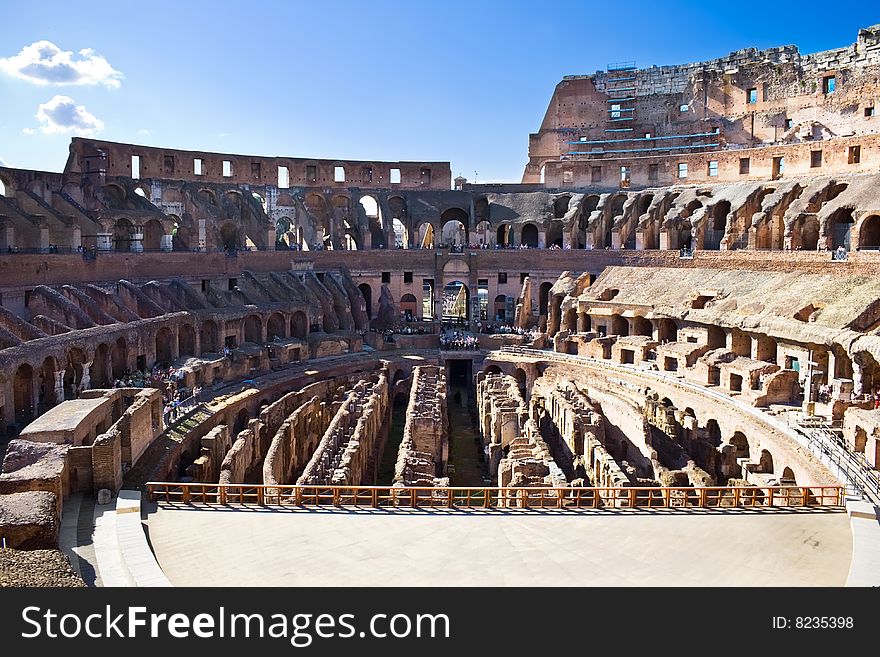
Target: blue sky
<point>398,80</point>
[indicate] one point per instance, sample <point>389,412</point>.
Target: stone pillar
<point>86,381</point>
<point>137,239</point>
<point>44,238</point>
<point>858,375</point>
<point>582,322</point>
<point>59,386</point>
<point>166,243</point>
<point>664,240</point>
<point>76,238</point>
<point>104,241</point>
<point>566,240</point>
<point>203,240</point>
<point>640,240</point>
<point>270,239</point>
<point>542,239</point>
<point>9,231</point>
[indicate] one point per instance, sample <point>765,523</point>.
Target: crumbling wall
<point>502,413</point>
<point>346,453</point>
<point>296,440</point>
<point>529,462</point>
<point>424,450</point>
<point>214,447</point>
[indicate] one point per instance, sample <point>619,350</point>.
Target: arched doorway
<point>209,337</point>
<point>98,372</point>
<point>48,397</point>
<point>841,223</point>
<point>367,294</point>
<point>229,237</point>
<point>153,233</point>
<point>408,307</point>
<point>456,302</point>
<point>454,227</point>
<point>275,327</point>
<point>164,352</point>
<point>807,232</point>
<point>500,308</point>
<point>299,325</point>
<point>426,235</point>
<point>119,358</point>
<point>716,229</point>
<point>530,235</point>
<point>186,340</point>
<point>253,329</point>
<point>502,235</point>
<point>869,236</point>
<point>544,298</point>
<point>667,330</point>
<point>23,393</point>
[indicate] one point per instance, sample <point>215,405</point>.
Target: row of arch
<point>36,388</point>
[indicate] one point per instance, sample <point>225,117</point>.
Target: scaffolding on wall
<point>620,85</point>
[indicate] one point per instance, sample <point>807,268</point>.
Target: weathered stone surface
<point>37,568</point>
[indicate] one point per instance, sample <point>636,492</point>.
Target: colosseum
<point>640,365</point>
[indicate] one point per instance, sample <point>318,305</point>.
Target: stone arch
<point>23,394</point>
<point>367,294</point>
<point>209,337</point>
<point>560,206</point>
<point>554,234</point>
<point>153,232</point>
<point>47,395</point>
<point>230,237</point>
<point>619,325</point>
<point>667,330</point>
<point>119,358</point>
<point>425,235</point>
<point>454,227</point>
<point>839,230</point>
<point>788,477</point>
<point>299,325</point>
<point>805,234</point>
<point>6,188</point>
<point>502,235</point>
<point>765,462</point>
<point>253,329</point>
<point>869,232</point>
<point>716,226</point>
<point>492,369</point>
<point>98,372</point>
<point>483,233</point>
<point>456,302</point>
<point>529,235</point>
<point>164,353</point>
<point>275,326</point>
<point>241,422</point>
<point>544,298</point>
<point>186,340</point>
<point>408,307</point>
<point>73,373</point>
<point>642,326</point>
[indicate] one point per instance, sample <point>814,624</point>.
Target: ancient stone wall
<point>214,447</point>
<point>296,440</point>
<point>346,454</point>
<point>424,450</point>
<point>502,413</point>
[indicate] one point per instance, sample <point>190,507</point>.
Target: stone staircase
<point>160,449</point>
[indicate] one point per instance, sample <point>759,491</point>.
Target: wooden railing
<point>498,498</point>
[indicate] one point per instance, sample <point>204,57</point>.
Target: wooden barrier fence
<point>498,498</point>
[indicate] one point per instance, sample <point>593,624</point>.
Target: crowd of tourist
<point>458,341</point>
<point>507,329</point>
<point>175,396</point>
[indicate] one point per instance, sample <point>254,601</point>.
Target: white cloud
<point>144,131</point>
<point>44,63</point>
<point>62,115</point>
<point>3,162</point>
